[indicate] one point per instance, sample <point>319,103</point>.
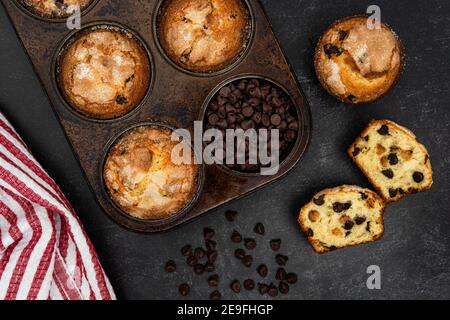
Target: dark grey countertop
<point>414,254</point>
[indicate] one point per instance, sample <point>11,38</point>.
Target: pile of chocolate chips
<point>202,260</point>
<point>254,104</point>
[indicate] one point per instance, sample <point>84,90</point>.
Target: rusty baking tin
<point>177,98</point>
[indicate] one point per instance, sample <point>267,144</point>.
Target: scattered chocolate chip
<point>250,244</point>
<point>121,99</point>
<point>170,267</point>
<point>393,192</point>
<point>263,271</point>
<point>259,229</point>
<point>231,215</point>
<point>388,173</point>
<point>339,207</point>
<point>213,280</point>
<point>283,287</point>
<point>348,225</point>
<point>342,35</point>
<point>247,261</point>
<point>210,245</point>
<point>309,233</point>
<point>393,159</point>
<point>215,295</point>
<point>186,250</point>
<point>356,151</point>
<point>273,290</point>
<point>281,274</point>
<point>418,176</point>
<point>275,244</point>
<point>366,138</point>
<point>364,196</point>
<point>368,226</point>
<point>281,259</point>
<point>348,233</point>
<point>291,278</point>
<point>199,253</point>
<point>236,237</point>
<point>331,49</point>
<point>249,284</point>
<point>212,256</point>
<point>208,233</point>
<point>239,254</point>
<point>360,220</point>
<point>199,269</point>
<point>235,286</point>
<point>184,289</point>
<point>384,130</point>
<point>191,261</point>
<point>263,288</point>
<point>319,201</point>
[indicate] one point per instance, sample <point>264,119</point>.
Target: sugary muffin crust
<point>204,35</point>
<point>341,217</point>
<point>142,179</point>
<point>54,8</point>
<point>357,64</point>
<point>392,159</point>
<point>104,73</point>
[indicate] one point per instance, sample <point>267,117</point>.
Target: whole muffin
<point>104,73</point>
<point>204,35</point>
<point>142,179</point>
<point>356,64</point>
<point>54,8</point>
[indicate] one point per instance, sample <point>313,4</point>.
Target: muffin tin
<point>176,98</point>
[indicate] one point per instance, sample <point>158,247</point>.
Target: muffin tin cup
<point>71,38</point>
<point>34,15</point>
<point>175,98</point>
<point>249,76</point>
<point>126,219</point>
<point>228,67</point>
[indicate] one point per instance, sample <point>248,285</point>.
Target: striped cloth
<point>44,251</point>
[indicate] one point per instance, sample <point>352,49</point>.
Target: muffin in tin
<point>54,8</point>
<point>143,180</point>
<point>204,35</point>
<point>357,64</point>
<point>104,72</point>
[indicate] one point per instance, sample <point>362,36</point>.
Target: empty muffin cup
<point>103,71</point>
<point>204,36</point>
<point>55,9</point>
<point>148,177</point>
<point>254,102</point>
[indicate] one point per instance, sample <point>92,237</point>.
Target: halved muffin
<point>142,178</point>
<point>104,72</point>
<point>54,8</point>
<point>357,64</point>
<point>204,35</point>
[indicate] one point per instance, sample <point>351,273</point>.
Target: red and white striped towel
<point>44,251</point>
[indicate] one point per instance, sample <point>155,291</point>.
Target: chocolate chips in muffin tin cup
<point>72,38</point>
<point>59,14</point>
<point>247,40</point>
<point>254,102</point>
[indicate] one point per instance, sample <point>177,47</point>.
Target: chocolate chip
<point>259,228</point>
<point>384,130</point>
<point>199,269</point>
<point>275,244</point>
<point>364,196</point>
<point>239,254</point>
<point>263,288</point>
<point>170,266</point>
<point>273,290</point>
<point>283,287</point>
<point>290,135</point>
<point>199,253</point>
<point>263,270</point>
<point>236,237</point>
<point>368,227</point>
<point>212,256</point>
<point>418,176</point>
<point>388,173</point>
<point>184,289</point>
<point>281,274</point>
<point>351,98</point>
<point>191,261</point>
<point>366,138</point>
<point>249,284</point>
<point>291,278</point>
<point>275,119</point>
<point>231,215</point>
<point>235,286</point>
<point>393,159</point>
<point>120,99</point>
<point>309,233</point>
<point>356,151</point>
<point>247,261</point>
<point>213,119</point>
<point>208,233</point>
<point>210,245</point>
<point>319,201</point>
<point>248,111</point>
<point>250,244</point>
<point>186,250</point>
<point>339,207</point>
<point>215,295</point>
<point>393,192</point>
<point>281,259</point>
<point>348,225</point>
<point>342,35</point>
<point>213,280</point>
<point>360,220</point>
<point>331,49</point>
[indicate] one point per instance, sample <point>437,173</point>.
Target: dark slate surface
<point>414,254</point>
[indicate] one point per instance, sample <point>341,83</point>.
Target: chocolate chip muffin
<point>142,179</point>
<point>392,159</point>
<point>341,217</point>
<point>356,64</point>
<point>204,35</point>
<point>54,8</point>
<point>104,72</point>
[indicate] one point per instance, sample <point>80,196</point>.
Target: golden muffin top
<point>54,8</point>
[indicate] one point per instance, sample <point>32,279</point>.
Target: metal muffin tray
<point>176,98</point>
